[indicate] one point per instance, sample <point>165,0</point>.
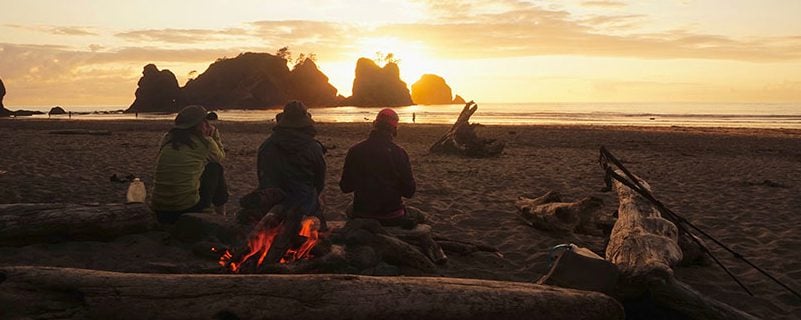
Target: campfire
<point>272,241</point>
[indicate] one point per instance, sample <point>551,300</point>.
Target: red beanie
<point>387,116</point>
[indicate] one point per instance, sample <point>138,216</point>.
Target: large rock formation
<point>431,89</point>
<point>3,111</point>
<point>311,86</point>
<point>158,92</point>
<point>378,87</point>
<point>458,100</point>
<point>259,80</point>
<point>251,80</point>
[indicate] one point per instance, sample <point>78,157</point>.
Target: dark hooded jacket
<point>379,173</point>
<point>292,160</point>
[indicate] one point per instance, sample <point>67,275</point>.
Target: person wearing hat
<point>379,174</point>
<point>292,161</point>
<point>189,174</point>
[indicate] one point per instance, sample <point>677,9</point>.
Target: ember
<point>262,240</point>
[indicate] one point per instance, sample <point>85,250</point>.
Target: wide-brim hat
<point>190,116</point>
<point>295,115</point>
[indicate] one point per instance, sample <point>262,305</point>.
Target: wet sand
<point>740,185</point>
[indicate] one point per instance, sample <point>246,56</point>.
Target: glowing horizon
<point>92,52</point>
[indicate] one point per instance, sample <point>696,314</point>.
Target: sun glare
<point>413,58</point>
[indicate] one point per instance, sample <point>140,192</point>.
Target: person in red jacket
<point>379,174</point>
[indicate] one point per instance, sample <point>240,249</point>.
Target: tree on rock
<point>375,86</point>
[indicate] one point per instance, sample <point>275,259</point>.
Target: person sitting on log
<point>189,174</point>
<point>291,165</point>
<point>379,174</point>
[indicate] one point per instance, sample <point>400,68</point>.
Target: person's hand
<point>208,130</point>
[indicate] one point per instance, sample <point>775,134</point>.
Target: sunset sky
<point>83,52</point>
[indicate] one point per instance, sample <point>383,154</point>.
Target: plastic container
<point>136,191</point>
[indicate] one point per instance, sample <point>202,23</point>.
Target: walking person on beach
<point>189,174</point>
<point>379,174</point>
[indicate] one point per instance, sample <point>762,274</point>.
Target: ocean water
<point>730,115</point>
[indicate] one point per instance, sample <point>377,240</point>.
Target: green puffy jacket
<point>178,171</point>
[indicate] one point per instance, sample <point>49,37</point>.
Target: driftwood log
<point>549,213</point>
<point>645,248</point>
<point>45,292</point>
<point>26,223</point>
<point>462,139</point>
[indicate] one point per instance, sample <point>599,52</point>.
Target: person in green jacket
<point>189,174</point>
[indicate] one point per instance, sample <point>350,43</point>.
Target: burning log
<point>461,139</point>
<point>45,292</point>
<point>549,213</point>
<point>26,223</point>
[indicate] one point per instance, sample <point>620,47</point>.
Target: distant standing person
<point>414,117</point>
<point>379,174</point>
<point>189,174</point>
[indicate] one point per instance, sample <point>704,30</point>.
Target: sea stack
<point>3,111</point>
<point>158,91</point>
<point>431,89</point>
<point>375,86</point>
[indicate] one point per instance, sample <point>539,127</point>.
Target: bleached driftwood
<point>643,245</point>
<point>645,248</point>
<point>44,292</point>
<point>548,212</point>
<point>461,138</point>
<point>25,223</point>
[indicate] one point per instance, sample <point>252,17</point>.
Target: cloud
<point>182,36</point>
<point>534,31</point>
<point>57,30</point>
<point>604,4</point>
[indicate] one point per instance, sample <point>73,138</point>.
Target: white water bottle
<point>136,191</point>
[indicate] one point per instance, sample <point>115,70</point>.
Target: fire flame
<point>260,243</point>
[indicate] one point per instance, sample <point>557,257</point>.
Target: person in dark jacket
<point>292,161</point>
<point>379,174</point>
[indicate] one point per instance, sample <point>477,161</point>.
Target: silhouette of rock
<point>57,110</point>
<point>259,80</point>
<point>3,111</point>
<point>311,86</point>
<point>158,91</point>
<point>431,89</point>
<point>251,80</point>
<point>458,100</point>
<point>374,86</point>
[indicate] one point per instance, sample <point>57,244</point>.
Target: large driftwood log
<point>462,139</point>
<point>643,245</point>
<point>42,292</point>
<point>645,248</point>
<point>27,223</point>
<point>681,297</point>
<point>549,213</point>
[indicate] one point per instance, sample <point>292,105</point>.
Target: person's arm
<point>346,183</point>
<point>216,152</point>
<point>408,185</point>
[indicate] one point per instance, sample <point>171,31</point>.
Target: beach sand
<point>740,185</point>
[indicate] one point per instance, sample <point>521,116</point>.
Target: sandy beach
<point>740,185</point>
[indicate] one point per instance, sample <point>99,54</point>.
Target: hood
<point>292,140</point>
